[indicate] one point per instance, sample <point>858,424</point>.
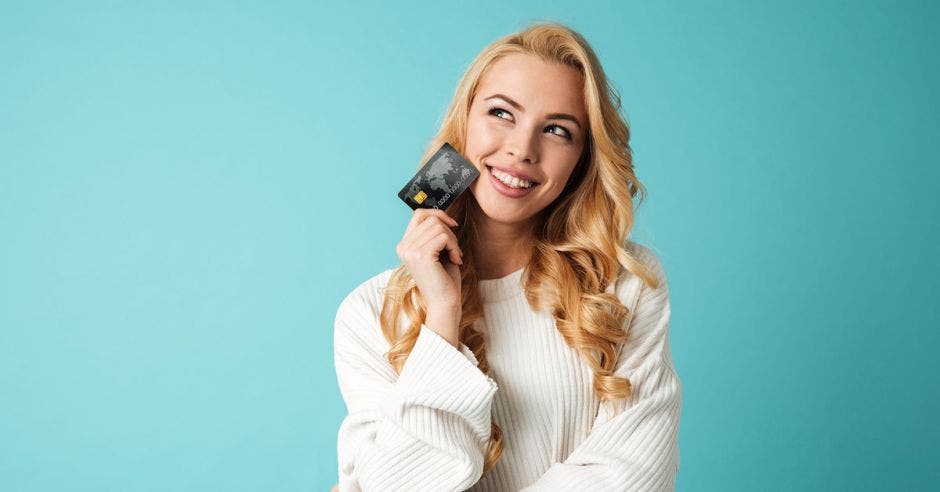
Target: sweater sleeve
<point>633,445</point>
<point>423,429</point>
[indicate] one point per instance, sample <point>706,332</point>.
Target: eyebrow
<point>553,116</point>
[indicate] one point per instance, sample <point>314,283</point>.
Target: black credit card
<point>440,181</point>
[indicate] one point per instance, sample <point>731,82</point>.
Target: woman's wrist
<point>445,322</point>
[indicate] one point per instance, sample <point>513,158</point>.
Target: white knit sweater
<point>427,428</point>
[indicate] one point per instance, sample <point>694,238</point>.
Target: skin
<point>525,140</point>
<point>522,139</point>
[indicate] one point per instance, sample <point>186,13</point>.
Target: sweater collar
<point>497,289</point>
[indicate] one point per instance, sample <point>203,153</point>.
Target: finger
<point>439,239</point>
<point>419,231</point>
<point>425,233</point>
<point>431,226</point>
<point>414,237</point>
<point>421,214</point>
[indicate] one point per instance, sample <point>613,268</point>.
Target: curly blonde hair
<point>579,243</point>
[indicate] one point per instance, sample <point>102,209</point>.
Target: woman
<point>523,343</point>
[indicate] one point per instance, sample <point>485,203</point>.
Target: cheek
<point>562,168</point>
<point>481,139</point>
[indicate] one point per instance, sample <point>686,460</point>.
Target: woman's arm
<point>424,429</point>
<point>636,447</point>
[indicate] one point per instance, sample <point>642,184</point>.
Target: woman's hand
<point>428,235</point>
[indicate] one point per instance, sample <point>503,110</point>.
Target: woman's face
<point>526,120</point>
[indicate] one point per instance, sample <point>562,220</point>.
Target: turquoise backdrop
<point>188,189</point>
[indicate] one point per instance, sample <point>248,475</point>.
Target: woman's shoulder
<point>645,254</point>
<point>648,305</point>
<point>357,332</point>
<point>631,286</point>
<point>357,320</point>
<point>368,295</point>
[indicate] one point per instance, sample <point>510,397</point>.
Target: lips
<point>504,189</point>
<point>514,173</point>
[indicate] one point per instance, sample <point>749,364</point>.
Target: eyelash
<point>566,136</point>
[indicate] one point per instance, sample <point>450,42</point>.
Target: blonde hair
<point>579,239</point>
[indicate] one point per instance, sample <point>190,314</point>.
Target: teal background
<point>188,189</point>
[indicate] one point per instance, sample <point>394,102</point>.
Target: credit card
<point>440,181</point>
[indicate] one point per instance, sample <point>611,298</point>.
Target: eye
<point>566,134</point>
<point>497,110</point>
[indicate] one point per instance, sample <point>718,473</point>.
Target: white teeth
<point>511,181</point>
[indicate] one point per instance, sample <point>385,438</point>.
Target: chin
<point>504,216</point>
<point>497,209</point>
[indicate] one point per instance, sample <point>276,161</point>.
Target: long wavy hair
<point>579,239</point>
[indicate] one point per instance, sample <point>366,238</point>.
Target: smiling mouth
<point>511,181</point>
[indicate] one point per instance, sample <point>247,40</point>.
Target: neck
<point>501,248</point>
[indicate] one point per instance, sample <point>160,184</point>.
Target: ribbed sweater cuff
<point>465,350</point>
<point>448,377</point>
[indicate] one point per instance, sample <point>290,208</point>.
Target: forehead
<point>537,85</point>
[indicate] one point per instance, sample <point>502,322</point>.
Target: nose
<point>522,146</point>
